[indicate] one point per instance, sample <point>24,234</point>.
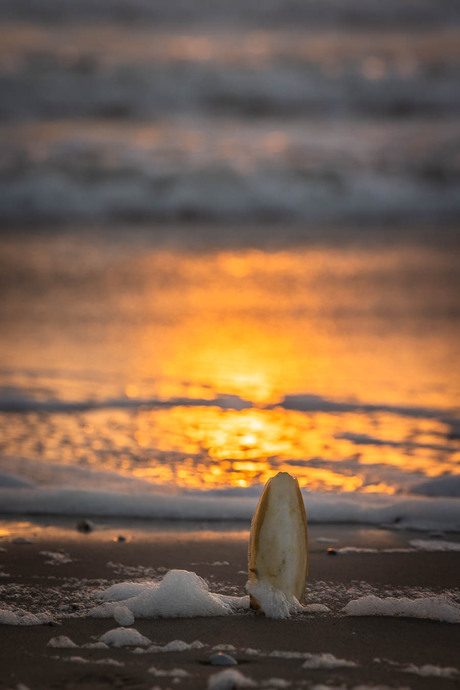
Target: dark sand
<point>98,561</point>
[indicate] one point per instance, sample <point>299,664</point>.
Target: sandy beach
<point>58,571</point>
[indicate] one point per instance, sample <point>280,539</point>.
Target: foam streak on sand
<point>433,608</point>
<point>429,670</point>
<point>326,661</point>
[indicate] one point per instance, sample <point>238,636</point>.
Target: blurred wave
<point>118,72</point>
<point>292,111</point>
<point>222,171</point>
<point>288,12</point>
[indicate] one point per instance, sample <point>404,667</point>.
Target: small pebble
<point>221,659</point>
<point>85,526</point>
<point>120,538</point>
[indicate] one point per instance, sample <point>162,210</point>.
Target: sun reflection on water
<point>339,324</point>
<point>211,448</point>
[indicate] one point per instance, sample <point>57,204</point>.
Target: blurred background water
<point>230,242</point>
<point>302,110</point>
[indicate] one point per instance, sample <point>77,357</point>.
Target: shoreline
<point>416,512</point>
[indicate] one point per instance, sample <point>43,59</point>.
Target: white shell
<point>278,543</point>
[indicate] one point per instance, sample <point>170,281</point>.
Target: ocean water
<point>230,248</point>
<point>298,111</point>
<point>132,367</point>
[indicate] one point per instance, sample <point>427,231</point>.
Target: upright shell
<point>278,543</point>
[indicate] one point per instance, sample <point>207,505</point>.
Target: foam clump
<point>313,661</point>
<point>82,660</point>
<point>282,654</point>
<point>172,673</point>
<point>56,557</point>
<point>122,591</point>
<point>273,602</point>
<point>277,604</point>
<point>433,608</point>
<point>123,615</point>
<point>429,670</point>
<point>228,680</point>
<point>326,660</point>
<point>176,646</point>
<point>316,608</point>
<point>23,618</point>
<point>180,594</point>
<point>61,642</point>
<point>76,659</point>
<point>124,637</point>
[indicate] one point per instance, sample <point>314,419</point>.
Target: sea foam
<point>440,608</point>
<point>180,594</point>
<point>409,512</point>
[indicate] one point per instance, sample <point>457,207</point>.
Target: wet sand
<point>380,647</point>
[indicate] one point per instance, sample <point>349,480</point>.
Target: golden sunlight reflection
<point>174,330</point>
<point>259,325</point>
<point>239,448</point>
